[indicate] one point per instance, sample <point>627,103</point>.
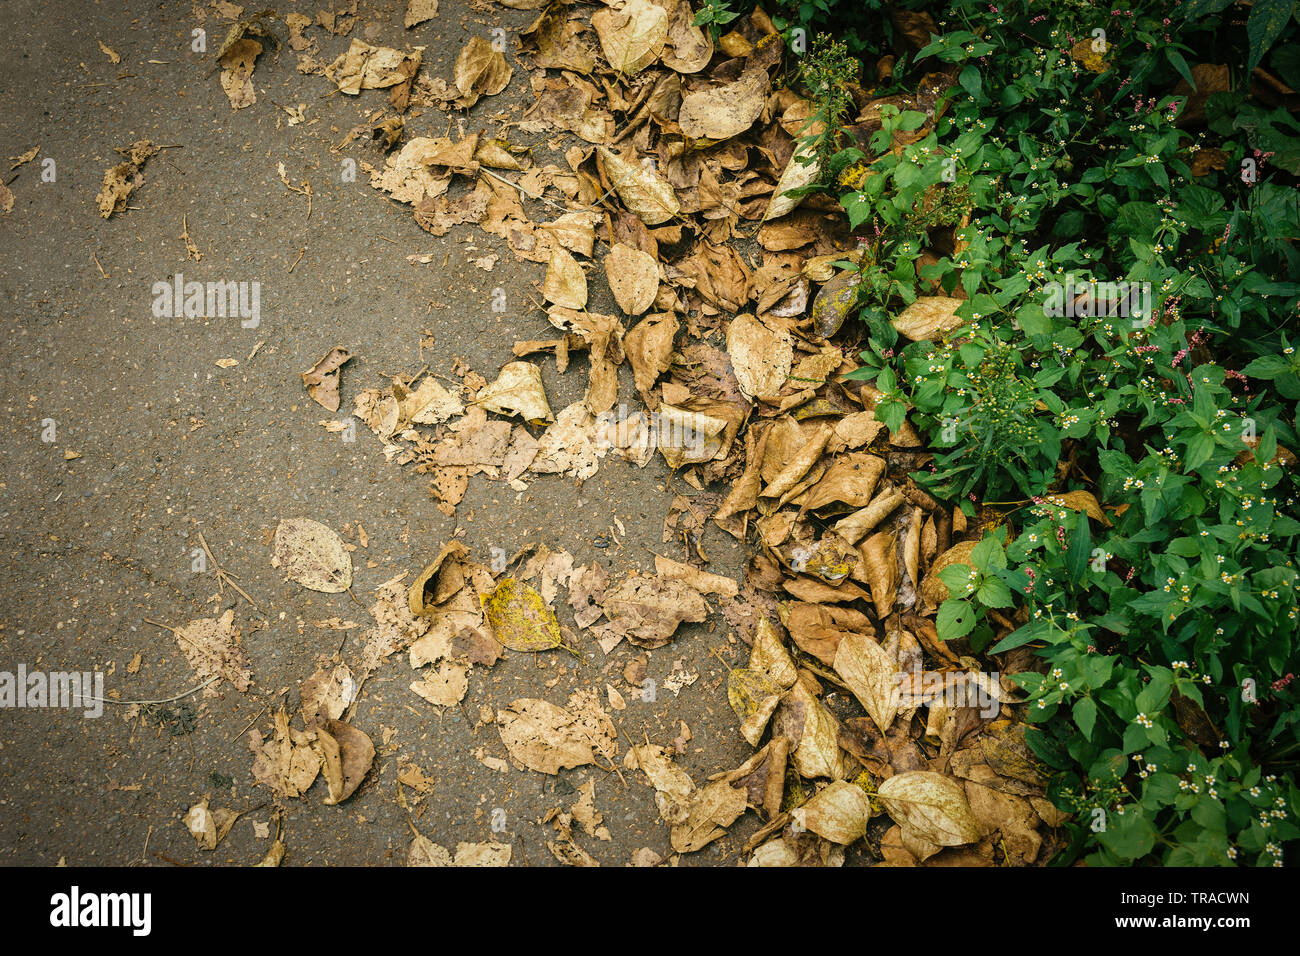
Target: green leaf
<point>1268,18</point>
<point>1018,638</point>
<point>1085,715</point>
<point>956,578</point>
<point>1195,9</point>
<point>988,554</point>
<point>993,592</point>
<point>1129,835</point>
<point>1080,552</point>
<point>1178,63</point>
<point>1267,367</point>
<point>1200,449</point>
<point>956,618</point>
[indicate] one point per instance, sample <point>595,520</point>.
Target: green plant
<point>1125,375</point>
<point>827,71</point>
<point>715,14</point>
<point>1267,20</point>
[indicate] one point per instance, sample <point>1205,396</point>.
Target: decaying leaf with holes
<point>312,555</point>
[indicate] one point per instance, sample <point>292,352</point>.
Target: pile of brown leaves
<point>673,193</point>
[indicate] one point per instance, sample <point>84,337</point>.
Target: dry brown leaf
<point>647,610</point>
<point>482,854</point>
<point>689,48</point>
<point>930,806</point>
<point>213,648</point>
<point>517,391</point>
<point>418,11</point>
<point>633,277</point>
<point>480,71</point>
<point>445,685</point>
<point>424,852</point>
<point>312,555</point>
<point>1013,818</point>
<point>366,67</point>
<point>879,569</point>
<point>1083,501</point>
<point>760,356</point>
<point>547,738</point>
<point>237,65</point>
<point>687,437</point>
<point>725,111</point>
<point>702,581</point>
<point>802,170</point>
<point>839,813</point>
<point>871,674</point>
<point>569,445</point>
<point>326,694</point>
<point>287,763</point>
<point>346,755</point>
<point>430,403</point>
<point>322,379</point>
<point>209,827</point>
<point>407,176</point>
<point>556,41</point>
<point>697,816</point>
<point>124,178</point>
<point>439,580</point>
<point>813,733</point>
<point>646,196</point>
<point>566,283</point>
<point>649,348</point>
<point>631,35</point>
<point>708,811</point>
<point>928,316</point>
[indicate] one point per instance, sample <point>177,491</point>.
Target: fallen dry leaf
<point>212,647</point>
<point>725,111</point>
<point>547,738</point>
<point>633,277</point>
<point>418,11</point>
<point>928,316</point>
<point>930,806</point>
<point>646,196</point>
<point>209,827</point>
<point>632,34</point>
<point>480,71</point>
<point>517,391</point>
<point>346,756</point>
<point>312,555</point>
<point>322,379</point>
<point>566,283</point>
<point>839,813</point>
<point>760,356</point>
<point>519,617</point>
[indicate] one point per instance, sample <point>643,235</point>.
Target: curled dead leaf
<point>346,755</point>
<point>517,391</point>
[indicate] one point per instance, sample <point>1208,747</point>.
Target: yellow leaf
<point>520,618</point>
